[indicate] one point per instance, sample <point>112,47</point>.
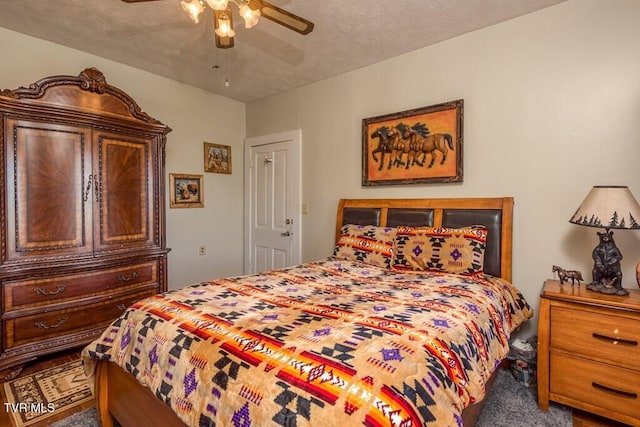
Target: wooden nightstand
<point>589,351</point>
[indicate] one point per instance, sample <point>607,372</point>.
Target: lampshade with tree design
<point>609,207</point>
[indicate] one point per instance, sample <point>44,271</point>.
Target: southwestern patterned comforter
<point>334,342</point>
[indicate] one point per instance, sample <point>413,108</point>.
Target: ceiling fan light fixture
<point>224,27</point>
<point>250,16</point>
<point>250,10</point>
<point>218,4</point>
<point>193,8</point>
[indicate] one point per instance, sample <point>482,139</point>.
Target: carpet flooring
<point>511,404</point>
<point>508,404</point>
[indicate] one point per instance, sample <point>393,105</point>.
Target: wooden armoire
<point>82,216</point>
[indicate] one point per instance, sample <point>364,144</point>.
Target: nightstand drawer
<point>604,386</point>
<point>602,334</point>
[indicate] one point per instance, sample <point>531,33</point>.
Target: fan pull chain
<point>226,80</point>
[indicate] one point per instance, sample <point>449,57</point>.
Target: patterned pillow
<point>450,250</point>
<point>370,244</point>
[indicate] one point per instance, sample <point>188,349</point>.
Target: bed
<point>384,332</point>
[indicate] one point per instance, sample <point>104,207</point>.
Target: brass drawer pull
<point>615,340</point>
<point>44,325</point>
<point>124,278</point>
<point>615,391</point>
<point>42,291</point>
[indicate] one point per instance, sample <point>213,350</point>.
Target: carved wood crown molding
<point>90,80</point>
<point>93,80</point>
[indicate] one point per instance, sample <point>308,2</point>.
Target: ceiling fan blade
<point>282,17</point>
<point>222,42</point>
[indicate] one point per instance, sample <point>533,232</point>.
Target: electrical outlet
<point>202,250</point>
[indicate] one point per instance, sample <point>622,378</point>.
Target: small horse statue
<point>565,275</point>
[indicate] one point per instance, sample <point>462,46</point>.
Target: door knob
<point>286,234</point>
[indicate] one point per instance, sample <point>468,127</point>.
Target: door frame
<point>294,172</point>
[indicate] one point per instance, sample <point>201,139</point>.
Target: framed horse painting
<point>423,145</point>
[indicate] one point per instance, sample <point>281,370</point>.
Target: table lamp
<point>609,207</point>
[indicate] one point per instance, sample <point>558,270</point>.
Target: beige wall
<point>552,107</point>
<point>195,116</point>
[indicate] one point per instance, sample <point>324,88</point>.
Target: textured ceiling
<point>267,59</point>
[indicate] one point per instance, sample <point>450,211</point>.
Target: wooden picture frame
<point>217,158</point>
<point>186,191</point>
<point>416,146</point>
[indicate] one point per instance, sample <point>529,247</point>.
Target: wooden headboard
<point>495,213</point>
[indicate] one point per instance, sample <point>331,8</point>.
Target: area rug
<point>35,397</point>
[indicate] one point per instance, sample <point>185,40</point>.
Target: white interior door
<point>272,202</point>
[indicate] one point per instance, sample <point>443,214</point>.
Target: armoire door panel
<point>124,199</point>
<point>49,193</point>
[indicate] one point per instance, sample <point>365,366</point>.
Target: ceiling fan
<point>249,10</point>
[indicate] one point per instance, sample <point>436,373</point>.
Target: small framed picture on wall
<point>186,191</point>
<point>217,158</point>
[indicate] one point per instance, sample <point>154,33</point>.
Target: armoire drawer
<point>601,334</point>
<point>21,294</point>
<point>52,324</point>
<point>608,387</point>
